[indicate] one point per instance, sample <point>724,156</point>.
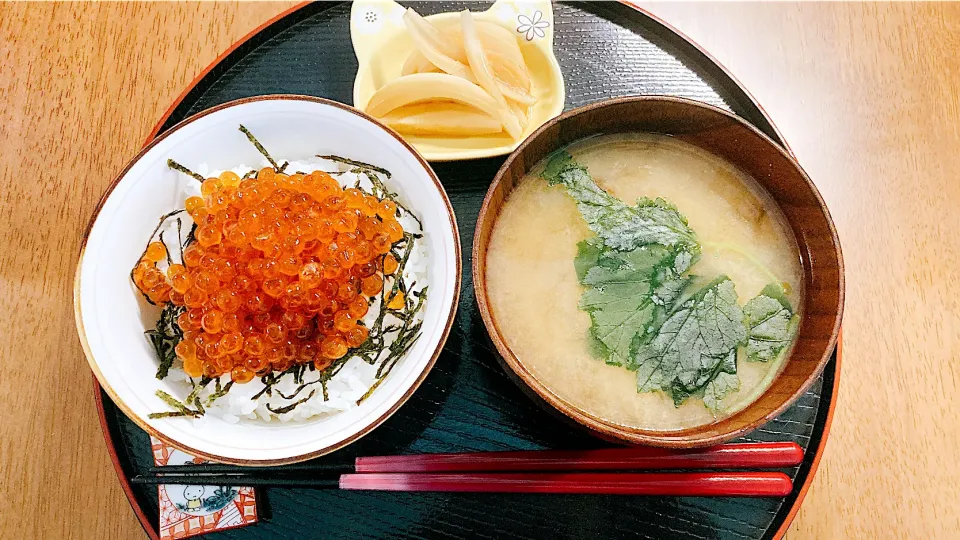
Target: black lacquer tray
<point>468,403</point>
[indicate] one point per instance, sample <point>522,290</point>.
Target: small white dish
<point>381,43</point>
<point>110,316</point>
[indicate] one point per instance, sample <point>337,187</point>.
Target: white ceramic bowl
<point>110,318</point>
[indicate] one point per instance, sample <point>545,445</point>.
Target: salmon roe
<point>281,273</point>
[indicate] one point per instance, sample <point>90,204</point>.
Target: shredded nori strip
<point>179,240</point>
<point>165,338</point>
<point>162,241</point>
<point>178,167</point>
<point>299,389</point>
<point>355,163</point>
<point>292,406</point>
<point>220,392</point>
<point>197,388</point>
<point>385,193</point>
<point>298,372</point>
<point>180,408</point>
<point>191,237</point>
<point>268,380</point>
<point>260,148</point>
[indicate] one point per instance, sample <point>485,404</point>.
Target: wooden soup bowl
<point>743,145</point>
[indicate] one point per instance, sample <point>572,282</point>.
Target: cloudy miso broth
<point>533,286</point>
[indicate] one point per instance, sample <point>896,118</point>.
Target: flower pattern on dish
<point>532,26</point>
<point>370,21</point>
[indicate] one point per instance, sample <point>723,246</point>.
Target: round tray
<point>468,403</point>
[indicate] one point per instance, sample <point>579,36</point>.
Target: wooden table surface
<point>865,94</point>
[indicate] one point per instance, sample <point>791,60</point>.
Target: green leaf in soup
<point>621,296</point>
<point>696,338</point>
<point>596,347</point>
<point>707,386</point>
<point>588,256</point>
<point>619,225</point>
<point>673,262</point>
<point>634,274</point>
<point>717,389</point>
<point>679,393</point>
<point>771,324</point>
<point>727,364</point>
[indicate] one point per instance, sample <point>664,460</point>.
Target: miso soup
<point>566,321</point>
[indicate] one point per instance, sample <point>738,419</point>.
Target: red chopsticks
<point>740,484</point>
<point>730,456</point>
<point>547,471</point>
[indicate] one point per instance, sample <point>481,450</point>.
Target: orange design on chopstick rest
<point>191,510</point>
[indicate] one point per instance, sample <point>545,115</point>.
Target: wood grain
<point>865,94</point>
<point>82,86</point>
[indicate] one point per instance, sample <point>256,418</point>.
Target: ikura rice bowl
<point>341,333</point>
